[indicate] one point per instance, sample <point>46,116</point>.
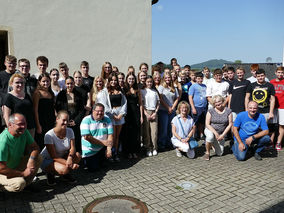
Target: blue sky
<point>197,31</point>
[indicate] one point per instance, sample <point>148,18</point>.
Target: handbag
<point>192,142</point>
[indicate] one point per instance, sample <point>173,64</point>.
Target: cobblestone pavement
<point>221,185</point>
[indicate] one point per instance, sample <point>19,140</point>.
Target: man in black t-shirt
<point>263,93</point>
<point>86,78</point>
<point>11,64</point>
<point>237,92</point>
<point>31,81</point>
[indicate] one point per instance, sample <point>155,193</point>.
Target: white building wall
<point>70,31</point>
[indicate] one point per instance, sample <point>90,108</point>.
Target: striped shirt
<point>98,129</point>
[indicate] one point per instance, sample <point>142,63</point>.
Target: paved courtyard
<point>220,185</point>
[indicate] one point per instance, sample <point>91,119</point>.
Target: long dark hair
<point>128,87</point>
<point>41,76</point>
<point>109,88</point>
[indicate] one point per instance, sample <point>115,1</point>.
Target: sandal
<point>206,157</point>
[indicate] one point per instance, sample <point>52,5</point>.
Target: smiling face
<point>18,84</point>
<point>142,77</point>
<point>149,83</point>
<point>218,78</point>
<point>131,80</point>
<point>240,74</point>
<point>62,120</point>
<point>167,79</point>
<point>99,83</point>
<point>231,75</point>
<point>260,78</point>
<point>252,108</point>
<point>54,75</point>
<point>279,74</point>
<point>44,83</point>
<point>24,68</point>
<point>121,80</point>
<point>184,110</point>
<point>69,85</point>
<point>113,82</point>
<point>10,66</point>
<point>78,79</point>
<point>42,66</point>
<point>85,70</point>
<point>18,126</point>
<point>98,113</point>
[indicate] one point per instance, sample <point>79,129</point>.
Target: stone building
<point>70,31</point>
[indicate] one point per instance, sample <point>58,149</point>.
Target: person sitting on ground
<point>97,138</point>
<point>250,130</point>
<point>59,154</point>
<point>183,129</point>
<point>218,123</point>
<point>17,168</point>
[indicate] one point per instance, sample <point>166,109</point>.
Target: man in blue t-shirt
<point>250,130</point>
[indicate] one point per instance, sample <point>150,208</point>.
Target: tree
<point>238,61</point>
<point>268,60</point>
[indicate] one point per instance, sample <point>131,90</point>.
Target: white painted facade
<point>71,31</point>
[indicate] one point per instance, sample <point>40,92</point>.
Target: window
<point>3,47</point>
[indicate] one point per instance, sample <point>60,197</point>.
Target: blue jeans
<point>261,143</point>
<point>165,128</point>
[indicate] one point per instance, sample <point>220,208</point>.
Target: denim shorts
<point>45,163</point>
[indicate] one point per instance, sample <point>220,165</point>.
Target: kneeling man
<point>97,137</point>
<point>17,169</point>
<point>250,130</point>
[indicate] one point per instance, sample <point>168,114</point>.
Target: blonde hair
<point>164,84</point>
<point>215,98</point>
<point>183,103</point>
<point>94,91</point>
<point>16,75</point>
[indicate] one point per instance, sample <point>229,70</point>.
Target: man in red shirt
<point>278,84</point>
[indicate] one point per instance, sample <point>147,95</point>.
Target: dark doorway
<point>3,47</point>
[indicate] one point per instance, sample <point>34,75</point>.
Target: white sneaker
<point>155,152</point>
<point>178,153</point>
<point>149,153</point>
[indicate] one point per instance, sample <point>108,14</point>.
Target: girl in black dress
<point>134,117</point>
<point>72,101</point>
<point>43,102</point>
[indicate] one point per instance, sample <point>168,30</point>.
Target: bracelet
<point>32,157</point>
<point>253,138</point>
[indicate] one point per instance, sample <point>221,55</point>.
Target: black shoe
<point>32,188</point>
<point>68,178</point>
<point>257,156</point>
<point>50,180</point>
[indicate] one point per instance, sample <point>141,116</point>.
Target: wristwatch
<point>253,138</point>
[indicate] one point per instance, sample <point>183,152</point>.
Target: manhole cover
<point>187,185</point>
<point>116,204</point>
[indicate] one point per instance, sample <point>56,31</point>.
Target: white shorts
<point>281,117</point>
<point>218,145</point>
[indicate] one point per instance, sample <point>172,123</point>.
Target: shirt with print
<point>185,87</point>
<point>98,129</point>
<point>279,93</point>
<point>249,126</point>
<point>198,93</point>
<point>260,93</point>
<point>12,148</point>
<point>238,91</point>
<point>219,121</point>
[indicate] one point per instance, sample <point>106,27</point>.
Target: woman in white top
<point>183,129</point>
<point>151,103</point>
<point>59,154</point>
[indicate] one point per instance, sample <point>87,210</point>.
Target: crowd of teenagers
<point>53,120</point>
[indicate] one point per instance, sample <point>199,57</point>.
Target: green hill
<point>212,64</point>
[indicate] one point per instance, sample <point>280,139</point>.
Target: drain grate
<point>116,204</point>
<point>187,185</point>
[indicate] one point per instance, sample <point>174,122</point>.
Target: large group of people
<point>57,122</point>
